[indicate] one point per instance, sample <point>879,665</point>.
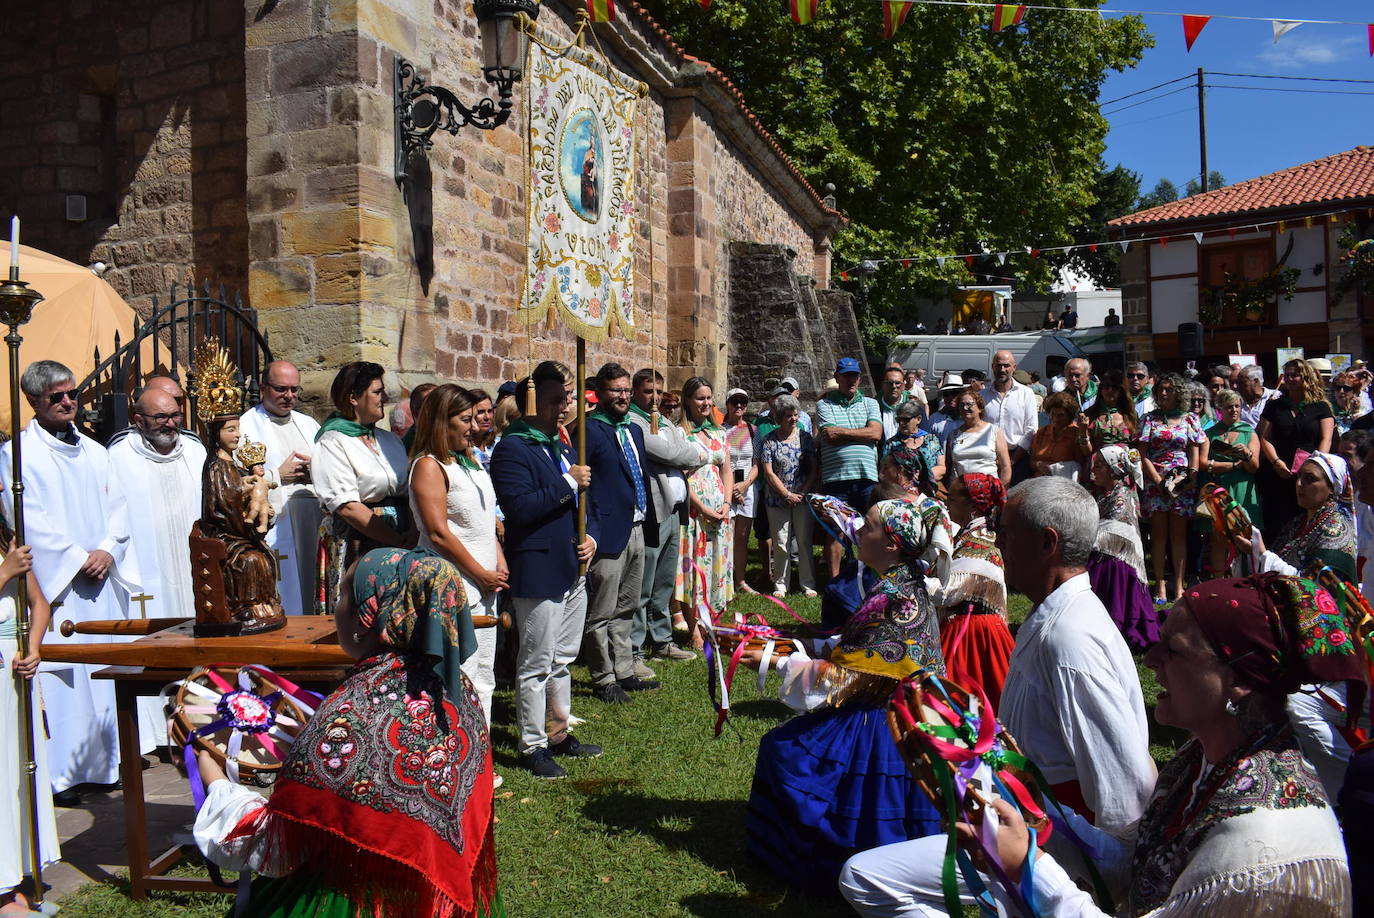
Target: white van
<point>1041,352</point>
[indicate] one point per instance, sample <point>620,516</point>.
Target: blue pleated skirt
<point>827,785</point>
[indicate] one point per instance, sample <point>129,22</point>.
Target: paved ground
<point>92,835</point>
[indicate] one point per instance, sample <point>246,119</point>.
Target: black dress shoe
<point>67,798</point>
<point>572,749</point>
<point>610,693</point>
<point>636,684</point>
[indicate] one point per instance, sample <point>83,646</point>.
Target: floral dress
<point>706,544</point>
<point>1109,429</point>
<point>791,461</point>
<point>1166,445</point>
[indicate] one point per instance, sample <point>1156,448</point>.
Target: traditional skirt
<point>299,895</point>
<point>1127,600</point>
<point>981,656</point>
<point>828,785</point>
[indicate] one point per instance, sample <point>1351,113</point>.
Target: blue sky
<point>1249,133</point>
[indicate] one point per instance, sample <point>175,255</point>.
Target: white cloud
<point>1294,52</point>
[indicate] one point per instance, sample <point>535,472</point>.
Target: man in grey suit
<point>670,454</point>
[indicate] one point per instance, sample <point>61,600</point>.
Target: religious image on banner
<point>582,142</point>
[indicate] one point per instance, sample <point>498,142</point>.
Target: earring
<point>359,640</point>
<point>1231,707</point>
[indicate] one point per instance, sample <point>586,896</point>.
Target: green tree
<point>1215,180</point>
<point>1164,192</point>
<point>949,138</point>
<point>1117,190</point>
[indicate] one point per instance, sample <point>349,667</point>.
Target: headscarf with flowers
<point>386,797</point>
<point>987,494</point>
<point>1122,500</point>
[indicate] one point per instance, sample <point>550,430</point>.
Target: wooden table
<point>306,651</point>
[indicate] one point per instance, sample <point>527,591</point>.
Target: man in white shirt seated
<point>1072,698</point>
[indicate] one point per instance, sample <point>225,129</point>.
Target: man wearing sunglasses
<point>170,386</point>
<point>290,439</point>
<point>82,557</point>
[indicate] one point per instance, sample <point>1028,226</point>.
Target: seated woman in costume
<point>831,782</point>
<point>974,637</point>
<point>1238,823</point>
<point>401,825</point>
<point>1323,535</point>
<point>361,476</point>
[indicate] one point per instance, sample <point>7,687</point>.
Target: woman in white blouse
<point>360,478</point>
<point>454,505</point>
<point>975,447</point>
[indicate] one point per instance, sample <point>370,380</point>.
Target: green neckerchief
<point>885,407</point>
<point>605,418</point>
<point>708,423</point>
<point>858,396</point>
<point>348,428</point>
<point>645,415</point>
<point>1173,413</point>
<point>522,428</point>
<point>466,461</point>
<point>1147,392</point>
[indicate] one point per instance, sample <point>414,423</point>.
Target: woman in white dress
<point>975,447</point>
<point>454,505</point>
<point>360,477</point>
<point>14,831</point>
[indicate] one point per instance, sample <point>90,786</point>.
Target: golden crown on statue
<point>250,453</point>
<point>216,388</point>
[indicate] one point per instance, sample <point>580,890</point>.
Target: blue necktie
<point>627,446</point>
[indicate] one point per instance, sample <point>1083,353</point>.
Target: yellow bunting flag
<point>601,10</point>
<point>1006,15</point>
<point>894,14</point>
<point>803,11</point>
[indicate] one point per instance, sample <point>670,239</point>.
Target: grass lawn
<point>654,827</point>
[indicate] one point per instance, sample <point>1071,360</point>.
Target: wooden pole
<point>581,393</point>
<point>16,308</point>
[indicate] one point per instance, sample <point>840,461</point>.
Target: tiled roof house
<point>1291,217</point>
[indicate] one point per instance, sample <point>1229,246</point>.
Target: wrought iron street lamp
<point>422,109</point>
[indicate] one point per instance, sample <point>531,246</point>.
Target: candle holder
<point>16,307</point>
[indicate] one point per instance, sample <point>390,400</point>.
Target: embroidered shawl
<point>1329,539</point>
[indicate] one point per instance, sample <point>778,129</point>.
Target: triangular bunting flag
<point>1282,27</point>
<point>1282,224</point>
<point>940,260</point>
<point>906,262</point>
<point>968,260</point>
<point>601,10</point>
<point>1371,39</point>
<point>1198,237</point>
<point>1093,248</point>
<point>1163,242</point>
<point>1307,222</point>
<point>894,14</point>
<point>1035,253</point>
<point>844,275</point>
<point>705,4</point>
<point>1125,244</point>
<point>1192,27</point>
<point>803,11</point>
<point>1001,258</point>
<point>1006,15</point>
<point>1232,232</point>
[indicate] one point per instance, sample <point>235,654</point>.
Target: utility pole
<point>1202,127</point>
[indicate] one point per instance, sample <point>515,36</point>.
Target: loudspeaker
<point>1190,340</point>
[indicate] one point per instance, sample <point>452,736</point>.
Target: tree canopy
<point>948,138</point>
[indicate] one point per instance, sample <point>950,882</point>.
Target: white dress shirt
<point>1250,414</point>
<point>1072,700</point>
<point>1015,413</point>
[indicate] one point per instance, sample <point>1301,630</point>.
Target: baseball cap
<point>779,390</point>
<point>507,388</point>
<point>1022,377</point>
<point>846,365</point>
<point>789,383</point>
<point>734,392</point>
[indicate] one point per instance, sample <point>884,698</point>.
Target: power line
<point>1279,76</point>
<point>1329,92</point>
<point>1103,11</point>
<point>1151,99</point>
<point>1189,110</point>
<point>1156,86</point>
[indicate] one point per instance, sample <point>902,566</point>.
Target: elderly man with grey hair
<point>1253,395</point>
<point>1072,697</point>
<point>78,528</point>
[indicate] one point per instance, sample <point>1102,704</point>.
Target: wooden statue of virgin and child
<point>233,571</point>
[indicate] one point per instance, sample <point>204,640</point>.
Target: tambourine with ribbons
<point>963,758</point>
<point>246,717</point>
<point>1229,518</point>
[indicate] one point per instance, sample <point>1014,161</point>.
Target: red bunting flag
<point>1232,232</point>
<point>1163,242</point>
<point>803,11</point>
<point>968,260</point>
<point>1093,248</point>
<point>705,4</point>
<point>906,262</point>
<point>1035,253</point>
<point>1006,15</point>
<point>844,275</point>
<point>894,14</point>
<point>1192,27</point>
<point>601,10</point>
<point>1371,39</point>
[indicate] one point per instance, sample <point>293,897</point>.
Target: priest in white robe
<point>289,436</point>
<point>159,469</point>
<point>77,525</point>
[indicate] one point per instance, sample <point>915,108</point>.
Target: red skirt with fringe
<point>977,649</point>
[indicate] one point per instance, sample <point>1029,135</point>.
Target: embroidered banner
<point>582,126</point>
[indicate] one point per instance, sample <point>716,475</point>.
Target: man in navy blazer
<point>617,507</point>
<point>537,485</point>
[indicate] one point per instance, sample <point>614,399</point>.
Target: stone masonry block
<point>278,283</point>
<point>314,63</point>
<point>336,232</point>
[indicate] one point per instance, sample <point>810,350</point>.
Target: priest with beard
<point>289,436</point>
<point>159,469</point>
<point>77,526</point>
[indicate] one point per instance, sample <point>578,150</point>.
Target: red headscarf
<point>1278,633</point>
<point>987,494</point>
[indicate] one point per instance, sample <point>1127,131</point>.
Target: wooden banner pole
<point>579,388</point>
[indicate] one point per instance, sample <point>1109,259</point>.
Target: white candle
<point>14,241</point>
